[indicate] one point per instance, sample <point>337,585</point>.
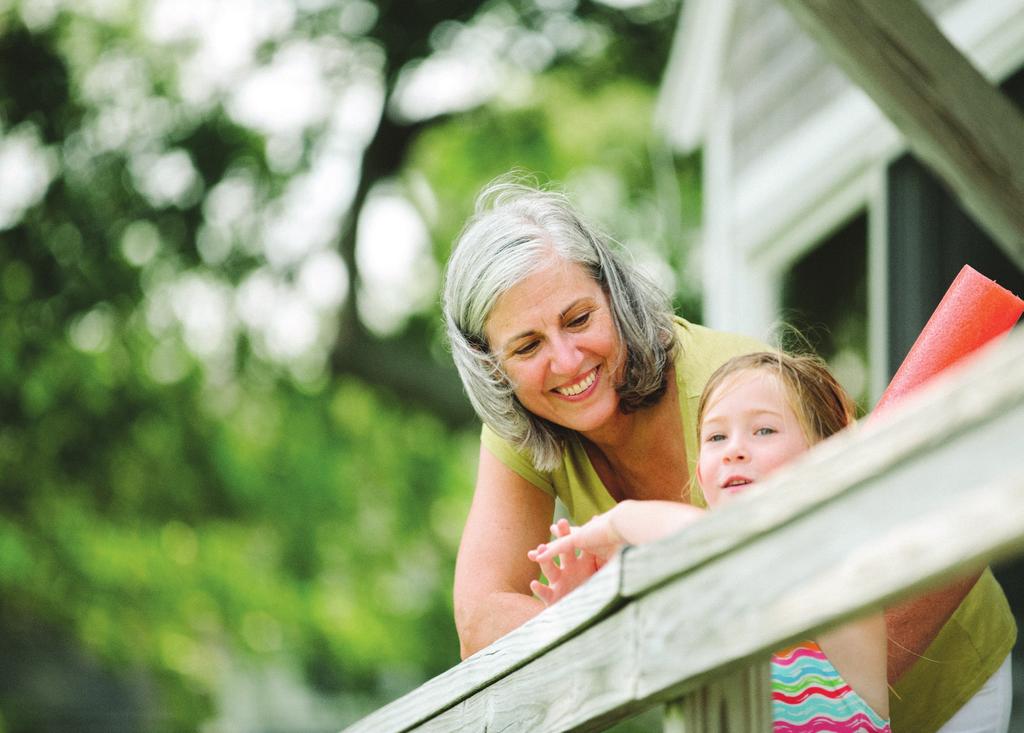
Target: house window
<point>825,299</point>
<point>930,238</point>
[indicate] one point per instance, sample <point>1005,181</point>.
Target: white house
<point>810,193</point>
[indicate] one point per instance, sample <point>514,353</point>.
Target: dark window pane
<point>825,298</point>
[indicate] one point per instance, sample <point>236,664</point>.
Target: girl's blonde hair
<point>819,402</point>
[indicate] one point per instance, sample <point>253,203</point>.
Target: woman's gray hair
<point>514,231</point>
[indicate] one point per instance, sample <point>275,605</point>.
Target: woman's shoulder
<point>694,334</point>
<point>516,459</point>
<point>702,350</point>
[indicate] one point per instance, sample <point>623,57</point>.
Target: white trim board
<point>786,194</point>
<point>694,72</point>
<point>802,191</point>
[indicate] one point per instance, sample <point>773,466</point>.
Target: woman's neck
<point>642,454</point>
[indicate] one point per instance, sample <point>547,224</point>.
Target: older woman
<point>587,387</point>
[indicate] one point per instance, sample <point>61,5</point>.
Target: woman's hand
<point>571,571</point>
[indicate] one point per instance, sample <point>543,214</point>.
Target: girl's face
<point>748,430</point>
<point>554,334</point>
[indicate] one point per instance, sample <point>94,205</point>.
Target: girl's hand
<point>596,541</point>
<point>598,537</point>
<point>571,571</point>
<point>629,522</point>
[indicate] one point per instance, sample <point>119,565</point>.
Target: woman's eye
<point>765,431</point>
<point>580,320</point>
<point>525,349</point>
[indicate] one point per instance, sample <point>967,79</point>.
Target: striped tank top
<point>808,694</point>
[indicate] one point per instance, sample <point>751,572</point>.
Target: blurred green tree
<point>223,470</point>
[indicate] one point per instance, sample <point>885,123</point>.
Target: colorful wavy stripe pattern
<point>809,696</point>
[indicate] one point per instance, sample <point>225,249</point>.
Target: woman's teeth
<point>579,386</point>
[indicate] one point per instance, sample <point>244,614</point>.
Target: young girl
<point>757,412</point>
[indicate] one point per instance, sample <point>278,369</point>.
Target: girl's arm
<point>637,522</point>
<point>630,522</point>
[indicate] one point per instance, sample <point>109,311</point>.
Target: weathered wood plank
<point>686,634</point>
<point>953,118</point>
<point>947,497</point>
<point>551,692</point>
<point>738,703</point>
<point>575,612</point>
<point>759,598</point>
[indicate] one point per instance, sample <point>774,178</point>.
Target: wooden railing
<point>929,491</point>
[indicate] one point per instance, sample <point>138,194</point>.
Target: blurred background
<point>235,458</point>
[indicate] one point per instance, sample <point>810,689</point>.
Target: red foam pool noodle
<point>974,311</point>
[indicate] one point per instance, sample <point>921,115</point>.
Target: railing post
<point>740,702</point>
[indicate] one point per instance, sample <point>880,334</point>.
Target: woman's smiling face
<point>554,335</point>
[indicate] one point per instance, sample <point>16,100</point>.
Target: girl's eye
<point>765,431</point>
<point>714,438</point>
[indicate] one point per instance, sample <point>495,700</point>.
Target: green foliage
<point>559,129</point>
<point>180,507</point>
<point>594,138</point>
<point>172,538</point>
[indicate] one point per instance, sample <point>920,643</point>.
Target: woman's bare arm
<point>508,517</point>
<point>914,623</point>
<point>857,649</point>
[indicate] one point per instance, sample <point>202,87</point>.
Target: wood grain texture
<point>739,703</point>
<point>516,648</point>
<point>958,123</point>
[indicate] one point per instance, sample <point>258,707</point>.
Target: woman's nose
<point>565,357</point>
